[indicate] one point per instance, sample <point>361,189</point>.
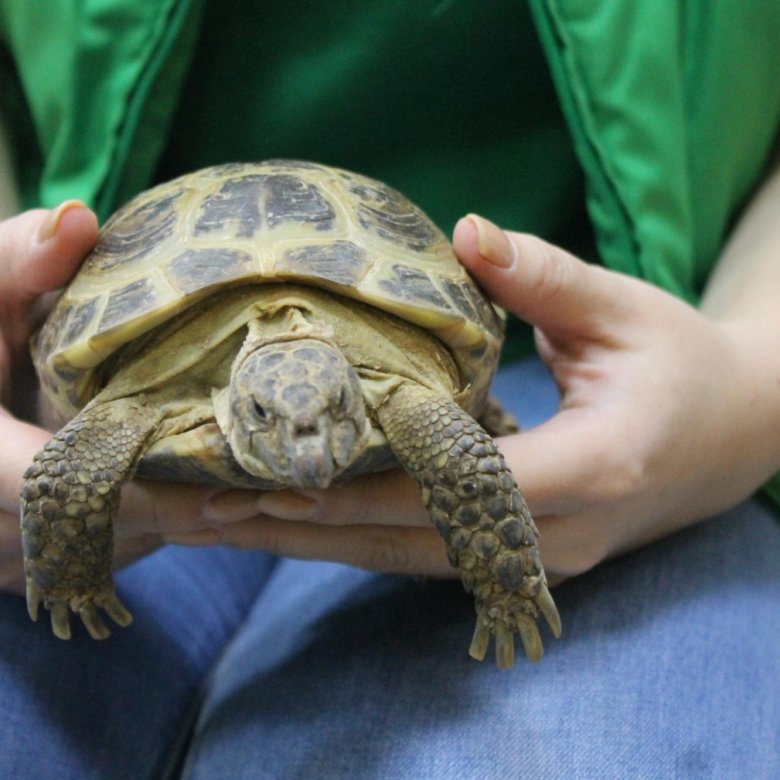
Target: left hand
<point>662,423</point>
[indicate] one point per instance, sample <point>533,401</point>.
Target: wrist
<point>755,354</point>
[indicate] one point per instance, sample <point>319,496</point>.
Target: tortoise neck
<point>289,323</point>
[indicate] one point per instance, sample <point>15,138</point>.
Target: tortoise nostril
<point>306,429</point>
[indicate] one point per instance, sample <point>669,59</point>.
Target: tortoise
<point>274,324</point>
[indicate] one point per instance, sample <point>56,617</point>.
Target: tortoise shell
<point>248,223</point>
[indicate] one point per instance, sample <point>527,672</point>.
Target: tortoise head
<point>296,409</point>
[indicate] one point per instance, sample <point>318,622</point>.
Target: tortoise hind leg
<point>497,421</point>
<point>69,498</point>
<point>477,507</point>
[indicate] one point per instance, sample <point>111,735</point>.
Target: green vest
<point>672,108</point>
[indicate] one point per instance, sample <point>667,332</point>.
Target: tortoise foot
<point>86,607</point>
<point>69,497</point>
<point>510,613</point>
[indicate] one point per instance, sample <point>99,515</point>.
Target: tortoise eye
<point>343,400</point>
<point>259,411</point>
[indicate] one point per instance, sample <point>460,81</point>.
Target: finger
<point>388,499</point>
<point>154,509</point>
<point>404,550</point>
<point>541,283</point>
<point>574,462</point>
<point>22,442</point>
<point>40,250</point>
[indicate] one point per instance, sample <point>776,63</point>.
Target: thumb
<point>541,283</point>
<point>42,249</point>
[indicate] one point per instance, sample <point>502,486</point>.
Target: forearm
<point>745,285</point>
<point>743,297</point>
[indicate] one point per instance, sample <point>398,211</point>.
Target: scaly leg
<point>477,507</point>
<point>69,498</point>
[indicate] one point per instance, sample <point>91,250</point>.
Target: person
<point>280,634</point>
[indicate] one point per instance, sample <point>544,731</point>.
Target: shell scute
<point>133,233</point>
<point>461,297</point>
<point>251,202</point>
<point>412,286</point>
<point>248,223</point>
<point>196,269</point>
<point>236,203</point>
<point>340,262</point>
<point>389,214</point>
<point>291,199</point>
<point>81,318</point>
<point>486,314</point>
<point>129,302</point>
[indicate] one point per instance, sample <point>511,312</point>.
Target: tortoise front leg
<point>69,498</point>
<point>477,507</point>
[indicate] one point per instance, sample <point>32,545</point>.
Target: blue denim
<point>243,666</point>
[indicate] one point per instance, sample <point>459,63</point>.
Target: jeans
<point>240,665</point>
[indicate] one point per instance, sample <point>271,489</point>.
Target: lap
<point>120,708</point>
<point>668,667</point>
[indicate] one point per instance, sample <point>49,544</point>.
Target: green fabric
<point>99,79</point>
<point>378,89</point>
<point>673,108</point>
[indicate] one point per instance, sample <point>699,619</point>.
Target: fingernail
<point>286,505</point>
<point>50,225</point>
<point>233,506</point>
<point>492,242</point>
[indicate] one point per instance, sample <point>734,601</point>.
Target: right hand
<point>40,251</point>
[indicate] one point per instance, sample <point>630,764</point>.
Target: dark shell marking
<point>128,302</point>
<point>251,202</point>
<point>244,223</point>
<point>388,213</point>
<point>413,286</point>
<point>341,262</point>
<point>134,232</point>
<point>198,268</point>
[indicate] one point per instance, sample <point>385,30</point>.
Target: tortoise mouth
<point>313,465</point>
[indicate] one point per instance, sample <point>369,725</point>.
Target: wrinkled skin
<point>297,409</point>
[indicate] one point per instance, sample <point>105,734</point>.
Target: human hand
<point>40,250</point>
<point>657,427</point>
<point>666,415</point>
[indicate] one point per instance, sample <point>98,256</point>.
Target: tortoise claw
<point>93,622</point>
<point>480,642</point>
<point>115,609</point>
<point>547,607</point>
<point>88,611</point>
<point>529,634</point>
<point>505,646</point>
<point>60,620</point>
<point>33,600</point>
<point>504,621</point>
